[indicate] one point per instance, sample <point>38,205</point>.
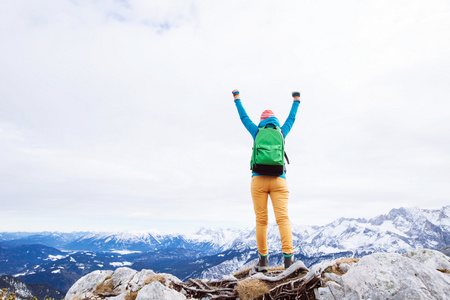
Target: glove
<point>296,96</point>
<point>236,94</point>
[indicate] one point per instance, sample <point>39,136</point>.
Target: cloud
<point>122,110</point>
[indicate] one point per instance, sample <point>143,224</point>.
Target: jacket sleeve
<point>245,119</point>
<point>286,128</point>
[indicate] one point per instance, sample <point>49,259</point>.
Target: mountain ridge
<point>221,239</point>
<point>213,253</point>
<point>27,290</point>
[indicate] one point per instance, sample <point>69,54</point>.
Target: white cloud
<point>122,109</point>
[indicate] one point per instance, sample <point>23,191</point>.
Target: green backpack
<point>268,152</point>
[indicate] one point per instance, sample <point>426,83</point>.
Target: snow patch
<point>125,252</point>
<point>121,264</point>
<point>55,257</point>
<point>388,226</point>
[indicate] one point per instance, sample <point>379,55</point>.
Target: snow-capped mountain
<point>400,230</point>
<point>23,290</point>
<point>17,286</point>
<point>118,241</point>
<point>212,253</point>
<point>205,240</point>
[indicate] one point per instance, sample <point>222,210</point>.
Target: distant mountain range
<point>23,290</point>
<point>61,258</point>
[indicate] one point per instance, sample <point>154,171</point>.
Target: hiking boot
<point>261,266</point>
<point>288,261</point>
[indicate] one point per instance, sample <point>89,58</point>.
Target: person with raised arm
<point>268,165</point>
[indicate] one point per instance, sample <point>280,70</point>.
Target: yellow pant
<point>276,187</point>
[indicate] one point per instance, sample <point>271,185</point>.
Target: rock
<point>157,291</point>
<point>325,293</point>
<point>171,277</point>
<point>121,282</point>
<point>434,259</point>
<point>334,277</point>
<point>345,267</point>
<point>86,285</point>
<point>391,276</point>
<point>138,281</point>
<point>121,277</point>
<point>419,274</point>
<point>336,290</point>
<point>118,297</point>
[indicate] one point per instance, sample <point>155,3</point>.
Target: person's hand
<point>236,94</point>
<point>296,96</point>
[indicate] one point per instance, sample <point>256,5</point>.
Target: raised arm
<point>245,119</point>
<point>286,128</point>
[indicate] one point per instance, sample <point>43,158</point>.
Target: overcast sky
<point>118,115</point>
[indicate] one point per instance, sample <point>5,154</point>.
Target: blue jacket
<point>253,129</point>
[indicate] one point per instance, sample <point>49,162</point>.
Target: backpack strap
<point>285,156</point>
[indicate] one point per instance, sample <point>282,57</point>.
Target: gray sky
<point>118,115</point>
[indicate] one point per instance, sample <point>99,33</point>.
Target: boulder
<point>123,281</point>
<point>86,285</point>
<point>414,275</point>
<point>121,278</point>
<point>433,259</point>
<point>157,291</point>
<point>138,281</point>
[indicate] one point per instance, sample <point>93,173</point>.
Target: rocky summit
<point>419,274</point>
